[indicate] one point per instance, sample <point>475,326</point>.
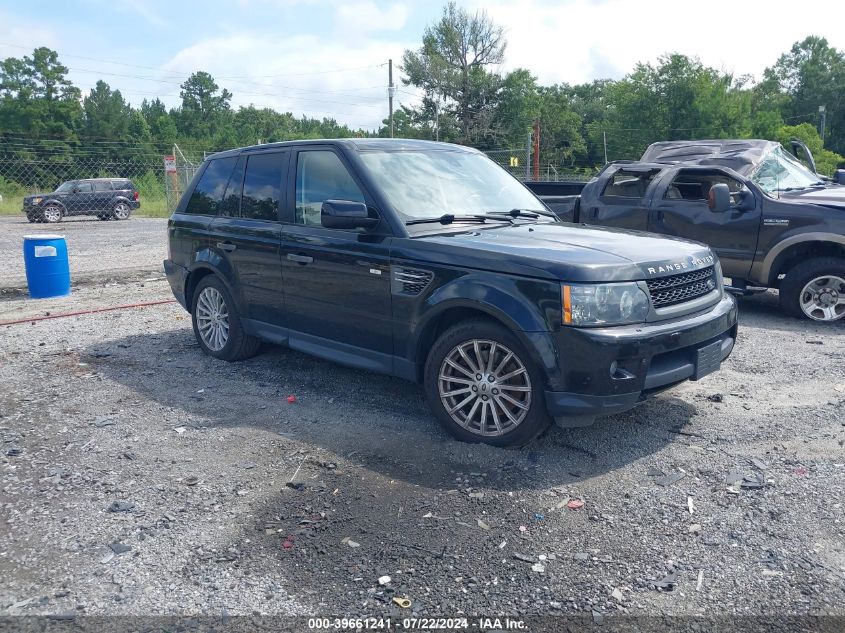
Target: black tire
<point>239,345</point>
<point>534,422</point>
<point>797,278</point>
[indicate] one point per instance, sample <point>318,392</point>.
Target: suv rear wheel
<point>121,211</point>
<point>483,386</point>
<point>815,289</point>
<point>217,324</point>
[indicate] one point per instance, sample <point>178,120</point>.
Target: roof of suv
<point>356,144</point>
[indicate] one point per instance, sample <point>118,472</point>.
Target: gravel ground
<point>97,250</point>
<point>141,477</point>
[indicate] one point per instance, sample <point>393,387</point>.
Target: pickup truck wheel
<point>815,289</point>
<point>483,386</point>
<point>217,324</point>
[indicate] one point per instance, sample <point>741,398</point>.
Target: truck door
<point>337,281</point>
<point>623,200</point>
<point>680,209</point>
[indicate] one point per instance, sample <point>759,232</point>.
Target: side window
<point>84,187</point>
<point>231,205</point>
<point>629,184</point>
<point>102,185</point>
<point>694,185</point>
<point>262,186</point>
<point>208,195</point>
<point>321,176</point>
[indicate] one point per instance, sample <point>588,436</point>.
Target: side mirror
<point>719,198</point>
<point>745,201</point>
<point>345,214</point>
<point>75,190</point>
<point>839,177</point>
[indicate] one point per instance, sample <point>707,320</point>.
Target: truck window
<point>320,176</point>
<point>208,194</point>
<point>694,185</point>
<point>262,186</point>
<point>102,185</point>
<point>629,184</point>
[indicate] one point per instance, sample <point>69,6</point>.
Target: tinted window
<point>262,187</point>
<point>208,195</point>
<point>102,185</point>
<point>321,176</point>
<point>122,185</point>
<point>231,206</point>
<point>629,184</point>
<point>84,187</point>
<point>695,185</point>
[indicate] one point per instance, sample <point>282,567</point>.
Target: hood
<point>568,252</point>
<point>829,196</point>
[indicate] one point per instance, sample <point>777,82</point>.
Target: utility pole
<point>822,117</point>
<point>437,119</point>
<point>604,134</point>
<point>391,90</point>
<point>536,149</point>
<point>528,156</point>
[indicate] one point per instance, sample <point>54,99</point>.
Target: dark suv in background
<point>106,198</point>
<point>430,262</point>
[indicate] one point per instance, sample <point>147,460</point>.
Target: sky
<point>327,58</point>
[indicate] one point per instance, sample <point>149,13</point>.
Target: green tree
<point>205,107</point>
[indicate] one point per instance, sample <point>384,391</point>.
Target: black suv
<point>106,198</point>
<point>429,262</point>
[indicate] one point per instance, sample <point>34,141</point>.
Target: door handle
<point>226,246</point>
<point>300,259</point>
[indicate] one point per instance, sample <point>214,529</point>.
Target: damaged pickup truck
<point>773,222</point>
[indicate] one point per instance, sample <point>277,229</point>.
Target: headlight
<point>36,200</point>
<point>603,304</point>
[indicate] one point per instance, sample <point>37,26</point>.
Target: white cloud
<point>366,17</point>
<point>582,40</point>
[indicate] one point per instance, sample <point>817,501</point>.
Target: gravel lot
<point>97,250</point>
<point>228,499</point>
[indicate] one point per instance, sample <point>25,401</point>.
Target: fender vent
<point>410,281</point>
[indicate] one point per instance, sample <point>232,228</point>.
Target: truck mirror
<point>839,176</point>
<point>346,214</point>
<point>719,198</point>
<point>745,200</point>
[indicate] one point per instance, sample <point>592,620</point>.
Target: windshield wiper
<point>525,213</point>
<point>449,218</point>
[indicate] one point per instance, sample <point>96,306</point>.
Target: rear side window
<point>262,187</point>
<point>629,184</point>
<point>208,195</point>
<point>122,185</point>
<point>102,185</point>
<point>84,187</point>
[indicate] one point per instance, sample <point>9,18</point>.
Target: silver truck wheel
<point>823,298</point>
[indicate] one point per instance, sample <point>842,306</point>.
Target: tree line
<point>465,98</point>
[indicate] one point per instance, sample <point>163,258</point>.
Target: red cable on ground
<point>70,314</point>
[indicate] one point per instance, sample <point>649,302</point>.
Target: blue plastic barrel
<point>47,269</point>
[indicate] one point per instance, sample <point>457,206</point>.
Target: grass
<point>151,207</point>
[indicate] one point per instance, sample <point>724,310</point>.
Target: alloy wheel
<point>52,214</point>
<point>823,298</point>
<point>485,387</point>
<point>121,211</point>
<point>212,319</point>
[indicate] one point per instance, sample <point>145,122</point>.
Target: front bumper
<point>609,370</point>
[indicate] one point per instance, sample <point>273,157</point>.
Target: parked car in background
<point>773,222</point>
<point>429,262</point>
<point>105,198</point>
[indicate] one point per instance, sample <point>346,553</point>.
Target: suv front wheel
<point>483,386</point>
<point>815,289</point>
<point>217,324</point>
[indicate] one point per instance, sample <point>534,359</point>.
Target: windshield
<point>65,186</point>
<point>780,171</point>
<point>430,184</point>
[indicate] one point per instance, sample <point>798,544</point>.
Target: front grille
<point>410,281</point>
<point>668,291</point>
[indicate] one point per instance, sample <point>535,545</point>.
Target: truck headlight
<point>36,200</point>
<point>603,304</point>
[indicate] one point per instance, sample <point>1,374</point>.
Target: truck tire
<point>815,290</point>
<point>51,214</point>
<point>482,385</point>
<point>217,324</point>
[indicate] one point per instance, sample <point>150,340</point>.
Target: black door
<point>624,201</point>
<point>247,235</point>
<point>102,196</point>
<point>680,209</point>
<point>80,199</point>
<point>337,282</point>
